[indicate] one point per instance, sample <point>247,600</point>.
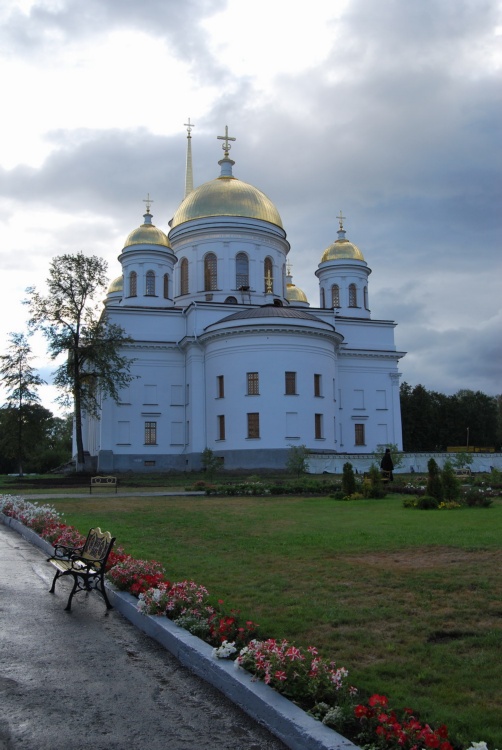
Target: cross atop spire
<point>189,127</point>
<point>340,218</point>
<point>225,146</point>
<point>148,202</point>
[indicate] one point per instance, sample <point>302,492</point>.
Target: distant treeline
<point>433,421</point>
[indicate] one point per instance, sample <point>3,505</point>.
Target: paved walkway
<point>115,690</point>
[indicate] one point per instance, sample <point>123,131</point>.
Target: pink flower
<point>281,676</point>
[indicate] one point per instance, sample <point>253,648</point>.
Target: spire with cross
<point>147,216</point>
<point>189,167</point>
<point>225,146</point>
<point>340,218</point>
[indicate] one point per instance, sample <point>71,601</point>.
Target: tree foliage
<point>21,381</point>
<point>433,421</point>
<point>297,459</point>
<point>46,439</point>
<point>73,323</point>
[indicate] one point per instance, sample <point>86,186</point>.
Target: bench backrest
<point>98,546</point>
<point>103,480</point>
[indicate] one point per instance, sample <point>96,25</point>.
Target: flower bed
<point>316,685</point>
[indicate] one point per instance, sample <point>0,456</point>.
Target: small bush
<point>348,479</point>
<point>477,499</point>
<point>427,503</point>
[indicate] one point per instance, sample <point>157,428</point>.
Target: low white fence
<point>332,463</point>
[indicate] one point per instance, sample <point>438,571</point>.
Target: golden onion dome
<point>147,234</point>
<point>226,196</point>
<point>342,249</point>
<point>117,285</point>
<point>294,294</point>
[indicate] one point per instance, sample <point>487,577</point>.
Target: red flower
<point>378,700</point>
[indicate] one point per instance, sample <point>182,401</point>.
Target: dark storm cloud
<point>102,172</point>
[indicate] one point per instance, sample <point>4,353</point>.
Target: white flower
<point>478,746</point>
<point>224,651</point>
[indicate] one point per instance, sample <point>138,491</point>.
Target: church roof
<point>226,196</point>
<point>270,311</point>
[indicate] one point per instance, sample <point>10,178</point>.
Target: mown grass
<point>409,601</point>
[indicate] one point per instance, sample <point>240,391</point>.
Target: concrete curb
<point>281,717</point>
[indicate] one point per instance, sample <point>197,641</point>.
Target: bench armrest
<point>61,550</point>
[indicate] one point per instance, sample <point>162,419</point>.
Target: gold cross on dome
<point>340,219</point>
<point>148,202</point>
<point>225,146</point>
<point>189,127</point>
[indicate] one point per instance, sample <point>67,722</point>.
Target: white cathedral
<point>227,353</point>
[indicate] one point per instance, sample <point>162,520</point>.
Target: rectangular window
<point>358,398</point>
<point>290,383</point>
<point>150,433</point>
<point>220,386</point>
<point>253,425</point>
<point>318,426</point>
<point>359,434</point>
<point>381,399</point>
<point>317,385</point>
<point>221,426</point>
<point>150,394</point>
<point>253,384</point>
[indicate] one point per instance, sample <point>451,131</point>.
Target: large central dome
<point>226,196</point>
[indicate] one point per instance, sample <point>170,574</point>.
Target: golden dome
<point>294,294</point>
<point>147,234</point>
<point>342,249</point>
<point>226,196</point>
<point>117,285</point>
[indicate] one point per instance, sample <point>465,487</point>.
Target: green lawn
<point>409,601</point>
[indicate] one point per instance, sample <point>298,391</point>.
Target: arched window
<point>269,276</point>
<point>133,284</point>
<point>352,295</point>
<point>241,270</point>
<point>366,298</point>
<point>150,284</point>
<point>323,300</point>
<point>231,301</point>
<point>184,276</point>
<point>166,286</point>
<point>210,273</point>
<point>335,296</point>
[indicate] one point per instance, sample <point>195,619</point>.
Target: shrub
<point>372,485</point>
<point>348,480</point>
<point>434,483</point>
<point>297,460</point>
<point>427,503</point>
<point>451,485</point>
<point>476,498</point>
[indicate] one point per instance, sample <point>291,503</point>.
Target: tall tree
<point>20,380</point>
<point>74,324</point>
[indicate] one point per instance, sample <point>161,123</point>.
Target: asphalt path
<point>90,680</point>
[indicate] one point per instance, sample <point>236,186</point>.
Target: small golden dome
<point>342,249</point>
<point>117,285</point>
<point>226,196</point>
<point>294,294</point>
<point>147,234</point>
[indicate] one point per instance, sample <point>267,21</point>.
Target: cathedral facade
<point>227,352</point>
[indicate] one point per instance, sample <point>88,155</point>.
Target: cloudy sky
<point>389,110</point>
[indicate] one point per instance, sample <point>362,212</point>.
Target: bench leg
<point>75,586</point>
<point>51,590</point>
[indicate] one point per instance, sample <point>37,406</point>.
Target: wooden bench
<point>85,564</point>
<point>105,482</point>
